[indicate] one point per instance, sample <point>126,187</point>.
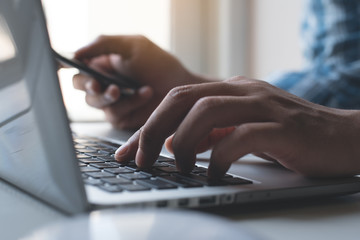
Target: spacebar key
<point>156,183</point>
<point>200,179</point>
<point>181,182</point>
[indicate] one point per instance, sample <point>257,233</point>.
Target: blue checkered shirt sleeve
<point>331,36</point>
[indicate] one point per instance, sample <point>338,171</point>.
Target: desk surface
<point>335,218</point>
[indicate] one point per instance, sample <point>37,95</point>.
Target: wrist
<point>353,160</point>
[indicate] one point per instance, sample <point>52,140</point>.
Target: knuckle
<point>236,79</point>
<point>141,40</point>
<point>251,84</point>
<point>260,102</point>
<point>245,131</point>
<point>89,100</point>
<point>101,38</point>
<point>258,86</point>
<point>146,138</point>
<point>179,94</point>
<point>76,81</point>
<point>93,101</point>
<point>206,103</point>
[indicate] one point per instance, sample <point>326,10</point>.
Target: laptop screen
<point>11,79</point>
<point>36,148</point>
<point>7,45</point>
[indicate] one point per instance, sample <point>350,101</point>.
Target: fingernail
<point>121,151</point>
<point>108,97</point>
<point>88,87</point>
<point>145,91</point>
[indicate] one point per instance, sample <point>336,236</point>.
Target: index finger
<point>106,45</point>
<point>168,116</point>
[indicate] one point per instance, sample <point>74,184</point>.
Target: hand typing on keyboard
<point>242,116</point>
<point>233,117</point>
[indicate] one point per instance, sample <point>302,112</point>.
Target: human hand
<point>139,59</point>
<point>242,116</point>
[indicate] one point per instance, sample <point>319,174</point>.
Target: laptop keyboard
<point>99,168</point>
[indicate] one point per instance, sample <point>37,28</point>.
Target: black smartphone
<point>123,82</point>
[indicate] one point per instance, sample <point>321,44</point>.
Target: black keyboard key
<point>79,146</point>
<point>89,169</point>
<point>168,169</point>
<point>131,164</point>
<point>133,187</point>
<point>101,148</point>
<point>82,156</point>
<point>225,176</point>
<point>218,182</point>
<point>134,168</point>
<point>165,159</point>
<point>159,164</point>
<point>134,176</point>
<point>106,152</point>
<point>93,181</point>
<point>236,181</point>
<point>118,170</point>
<point>91,145</point>
<point>117,164</point>
<point>114,180</point>
<point>107,158</point>
<point>156,183</point>
<point>100,174</point>
<point>87,151</point>
<point>80,140</point>
<point>90,160</point>
<point>111,188</point>
<point>201,179</point>
<point>103,165</point>
<point>181,182</point>
<point>154,172</point>
<point>199,170</point>
<point>96,154</point>
<point>171,164</point>
<point>108,144</point>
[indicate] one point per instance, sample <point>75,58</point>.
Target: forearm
<point>348,148</point>
<point>339,88</point>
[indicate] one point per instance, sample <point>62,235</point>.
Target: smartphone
<point>125,84</point>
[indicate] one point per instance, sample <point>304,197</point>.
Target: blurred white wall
<point>274,37</point>
<point>224,38</point>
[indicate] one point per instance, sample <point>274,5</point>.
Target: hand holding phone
<point>126,85</point>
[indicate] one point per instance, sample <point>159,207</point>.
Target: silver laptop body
<point>37,151</point>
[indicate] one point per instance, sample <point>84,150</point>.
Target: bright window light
<point>74,23</point>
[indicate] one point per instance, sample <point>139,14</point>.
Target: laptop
<point>76,172</point>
